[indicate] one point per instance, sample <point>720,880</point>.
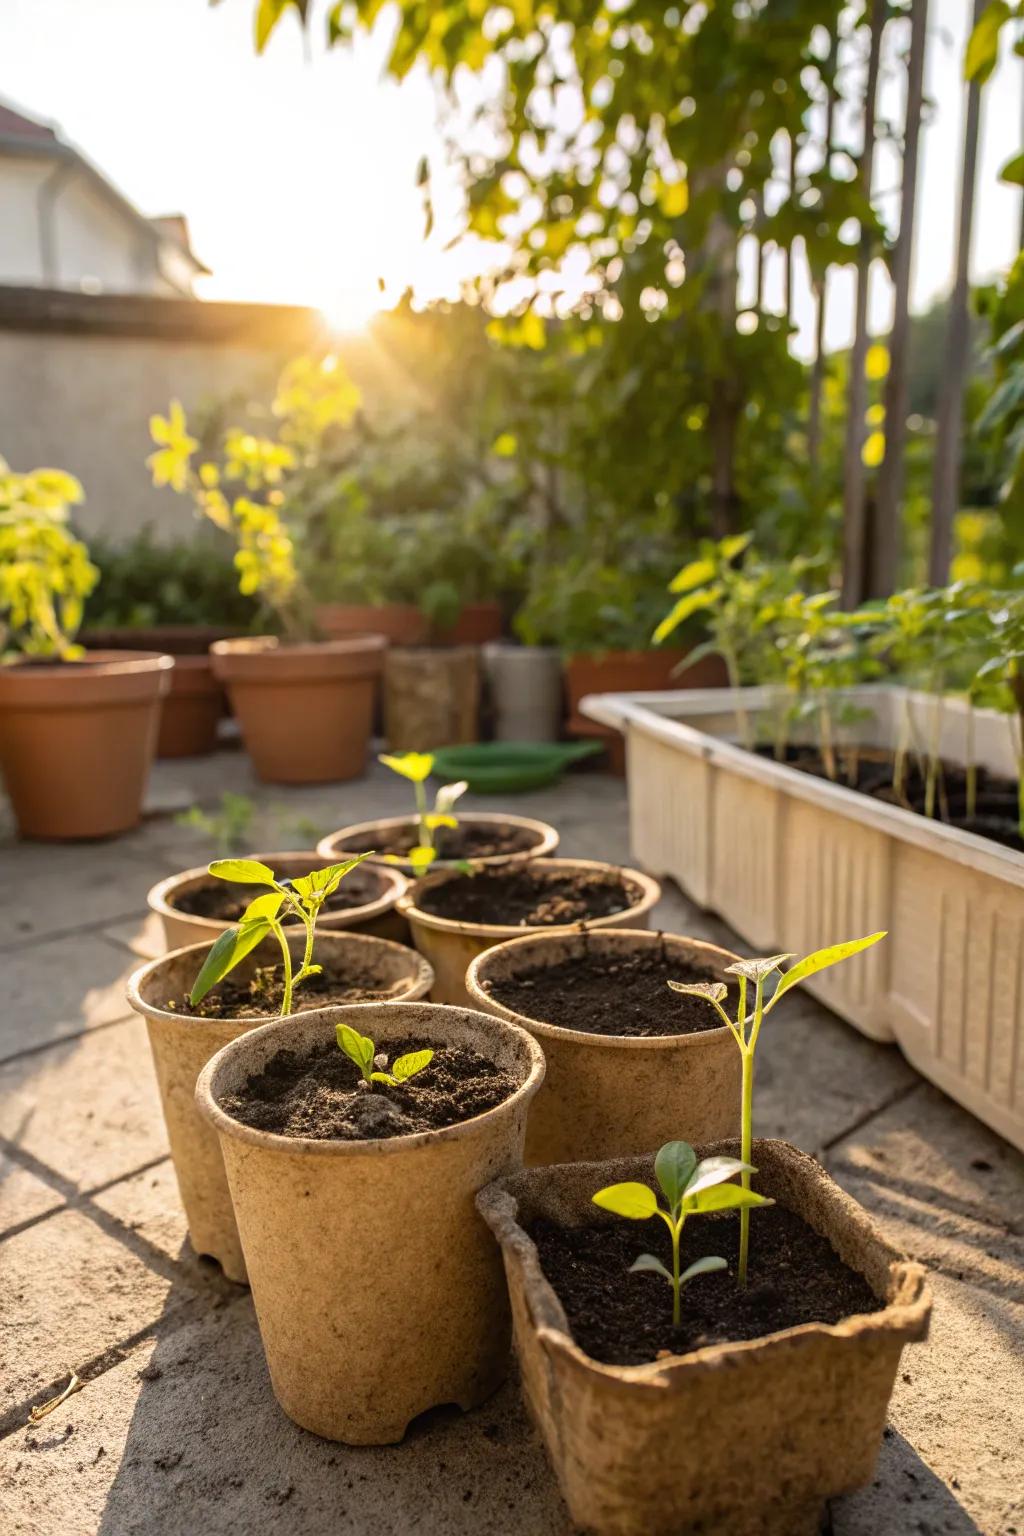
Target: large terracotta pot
<point>195,702</point>
<point>77,741</point>
<point>375,916</point>
<point>182,1046</point>
<point>747,1439</point>
<point>378,1289</point>
<point>399,623</point>
<point>477,624</point>
<point>450,946</point>
<point>339,845</point>
<point>630,672</point>
<point>305,711</point>
<point>431,697</point>
<point>615,1095</point>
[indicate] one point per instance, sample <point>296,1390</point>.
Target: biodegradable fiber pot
<point>305,711</point>
<point>747,1438</point>
<point>182,1045</point>
<point>538,840</point>
<point>431,698</point>
<point>378,1290</point>
<point>376,915</point>
<point>450,946</point>
<point>77,741</point>
<point>612,1095</point>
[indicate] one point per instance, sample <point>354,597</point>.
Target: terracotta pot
<point>191,711</point>
<point>614,1095</point>
<point>748,1438</point>
<point>378,1290</point>
<point>450,946</point>
<point>431,698</point>
<point>305,711</point>
<point>630,672</point>
<point>477,624</point>
<point>182,1046</point>
<point>336,845</point>
<point>399,623</point>
<point>77,741</point>
<point>375,916</point>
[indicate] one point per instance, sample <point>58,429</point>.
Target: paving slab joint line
<point>896,1097</point>
<point>49,1045</point>
<point>34,940</point>
<point>77,1199</point>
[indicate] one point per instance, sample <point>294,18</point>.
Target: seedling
<point>691,1188</point>
<point>746,1028</point>
<point>417,768</point>
<point>300,898</point>
<point>373,1064</point>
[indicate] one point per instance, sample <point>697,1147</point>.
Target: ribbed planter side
<point>337,845</point>
<point>182,1046</point>
<point>450,946</point>
<point>378,1290</point>
<point>616,1095</point>
<point>748,1438</point>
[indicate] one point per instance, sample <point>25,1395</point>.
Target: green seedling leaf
<point>723,1197</point>
<point>696,574</point>
<point>412,1062</point>
<point>715,1170</point>
<point>357,1047</point>
<point>384,1077</point>
<point>636,1201</point>
<point>821,960</point>
<point>415,766</point>
<point>231,947</point>
<point>673,1168</point>
<point>648,1262</point>
<point>321,883</point>
<point>242,871</point>
<point>708,1266</point>
<point>692,603</point>
<point>263,908</point>
<point>754,970</point>
<point>714,991</point>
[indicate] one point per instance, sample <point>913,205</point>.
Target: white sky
<point>297,174</point>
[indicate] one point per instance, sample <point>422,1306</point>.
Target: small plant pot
<point>305,711</point>
<point>77,741</point>
<point>451,945</point>
<point>399,623</point>
<point>525,683</point>
<point>182,1045</point>
<point>191,711</point>
<point>381,887</point>
<point>431,697</point>
<point>477,624</point>
<point>378,1290</point>
<point>532,839</point>
<point>615,1095</point>
<point>746,1438</point>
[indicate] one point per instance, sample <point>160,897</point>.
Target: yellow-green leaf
<point>876,363</point>
<point>415,766</point>
<point>821,960</point>
<point>636,1201</point>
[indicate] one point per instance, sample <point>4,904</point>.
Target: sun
<point>351,307</point>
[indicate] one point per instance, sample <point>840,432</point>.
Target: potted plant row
<point>831,785</point>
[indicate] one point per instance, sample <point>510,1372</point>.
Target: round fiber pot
<point>378,1289</point>
<point>182,1046</point>
<point>191,711</point>
<point>651,1450</point>
<point>77,740</point>
<point>378,889</point>
<point>538,840</point>
<point>305,711</point>
<point>525,683</point>
<point>451,946</point>
<point>399,623</point>
<point>477,624</point>
<point>431,697</point>
<point>614,1095</point>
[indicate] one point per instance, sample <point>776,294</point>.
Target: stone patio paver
<point>23,1196</point>
<point>61,988</point>
<point>55,888</point>
<point>148,1203</point>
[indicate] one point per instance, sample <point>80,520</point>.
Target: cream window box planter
<point>793,862</point>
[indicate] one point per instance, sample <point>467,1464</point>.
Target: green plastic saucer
<point>510,767</point>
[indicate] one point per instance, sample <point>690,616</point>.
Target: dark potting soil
<point>318,1095</point>
<point>605,995</point>
<point>794,1276</point>
<point>525,897</point>
<point>469,840</point>
<point>226,901</point>
<point>869,771</point>
<point>260,996</point>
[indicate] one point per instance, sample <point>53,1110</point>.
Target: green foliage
<point>144,583</point>
<point>227,828</point>
<point>299,900</point>
<point>373,1064</point>
<point>45,572</point>
<point>691,1188</point>
<point>417,768</point>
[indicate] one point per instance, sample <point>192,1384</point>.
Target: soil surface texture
<point>870,772</point>
<point>469,840</point>
<point>794,1277</point>
<point>225,900</point>
<point>526,897</point>
<point>318,1096</point>
<point>610,995</point>
<point>260,996</point>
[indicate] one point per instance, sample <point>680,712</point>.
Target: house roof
<point>24,135</point>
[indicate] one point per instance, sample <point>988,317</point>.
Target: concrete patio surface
<point>175,1431</point>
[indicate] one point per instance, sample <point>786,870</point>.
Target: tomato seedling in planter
<point>691,1188</point>
<point>373,1064</point>
<point>417,768</point>
<point>746,1028</point>
<point>299,898</point>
